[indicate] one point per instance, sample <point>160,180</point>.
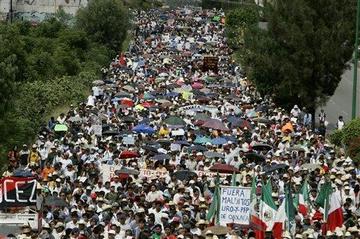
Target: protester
<point>135,160</point>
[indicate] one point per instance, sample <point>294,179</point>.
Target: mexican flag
<point>213,213</point>
<point>330,200</point>
<point>304,199</point>
<point>267,207</point>
<point>285,216</point>
<point>255,223</point>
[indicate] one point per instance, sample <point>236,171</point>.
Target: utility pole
<point>11,11</point>
<point>354,98</point>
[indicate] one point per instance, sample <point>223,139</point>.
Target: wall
<point>42,6</point>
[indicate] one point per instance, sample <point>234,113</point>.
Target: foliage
<point>237,21</point>
<point>351,131</point>
<point>336,137</point>
<point>354,149</point>
<point>105,21</point>
<point>300,58</point>
<point>51,64</point>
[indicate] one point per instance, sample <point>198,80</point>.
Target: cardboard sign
<point>235,205</point>
<point>210,63</point>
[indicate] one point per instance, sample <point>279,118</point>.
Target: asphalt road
<point>340,102</point>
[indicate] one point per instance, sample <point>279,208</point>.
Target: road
<point>340,102</point>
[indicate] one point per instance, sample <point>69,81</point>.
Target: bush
<point>336,137</point>
<point>353,150</point>
<point>351,131</point>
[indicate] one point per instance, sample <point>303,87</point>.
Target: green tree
<point>106,21</point>
<point>304,51</point>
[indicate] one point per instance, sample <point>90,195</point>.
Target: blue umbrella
<point>172,94</point>
<point>143,128</point>
<point>182,142</point>
<point>231,138</point>
<point>218,141</point>
<point>202,140</point>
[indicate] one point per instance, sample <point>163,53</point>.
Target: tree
<point>237,21</point>
<point>305,49</point>
<point>106,21</point>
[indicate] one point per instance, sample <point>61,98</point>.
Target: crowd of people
<point>137,158</point>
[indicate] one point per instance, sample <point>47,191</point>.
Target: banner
<point>234,205</point>
<point>148,173</point>
<point>17,192</point>
<point>108,171</point>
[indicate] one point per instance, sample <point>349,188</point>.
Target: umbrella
<point>127,102</point>
<point>52,201</point>
<point>184,175</point>
<point>197,85</point>
<point>217,230</point>
<point>210,154</point>
<point>161,157</point>
<point>223,168</point>
<point>311,166</point>
<point>201,116</point>
<point>251,114</point>
<point>98,82</point>
<point>274,167</point>
<point>261,147</point>
<point>148,96</point>
<point>262,120</point>
<point>181,142</point>
<point>163,74</point>
<point>147,104</point>
<point>257,158</point>
<point>202,140</point>
<point>150,148</point>
<point>128,154</point>
<point>129,88</point>
<point>173,120</point>
<point>128,171</point>
<point>197,148</point>
<point>60,128</point>
<point>218,141</point>
<point>215,124</point>
<point>143,128</point>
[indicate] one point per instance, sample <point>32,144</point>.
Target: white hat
<point>112,232</point>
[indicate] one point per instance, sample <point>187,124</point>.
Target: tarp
<point>17,192</point>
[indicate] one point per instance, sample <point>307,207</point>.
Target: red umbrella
<point>128,154</point>
<point>197,85</point>
<point>215,124</point>
<point>223,168</point>
<point>147,104</point>
<point>127,102</point>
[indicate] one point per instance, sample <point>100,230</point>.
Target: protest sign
<point>17,191</point>
<point>148,173</point>
<point>108,171</point>
<point>234,205</point>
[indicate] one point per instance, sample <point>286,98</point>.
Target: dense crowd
<point>164,125</point>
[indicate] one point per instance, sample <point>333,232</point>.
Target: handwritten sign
<point>108,171</point>
<point>148,173</point>
<point>210,63</point>
<point>235,205</point>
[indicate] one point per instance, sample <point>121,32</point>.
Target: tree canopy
<point>105,21</point>
<point>304,51</point>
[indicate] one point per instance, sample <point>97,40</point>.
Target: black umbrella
<point>150,148</point>
<point>160,157</point>
<point>22,173</point>
<point>262,120</point>
<point>182,142</point>
<point>261,147</point>
<point>274,168</point>
<point>197,148</point>
<point>53,201</point>
<point>257,158</point>
<point>184,175</point>
<point>128,119</point>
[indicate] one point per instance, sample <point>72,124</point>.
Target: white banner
<point>153,173</point>
<point>235,205</point>
<point>108,171</point>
